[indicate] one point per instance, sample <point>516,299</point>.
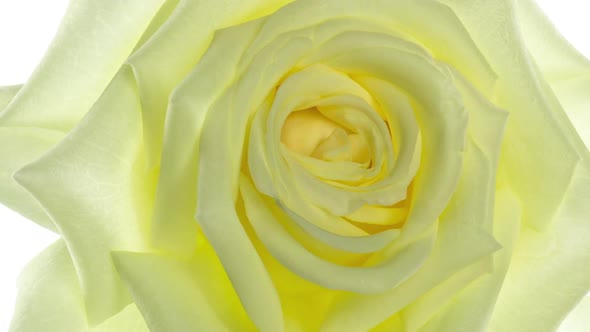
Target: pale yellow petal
<point>92,43</point>
<point>95,187</point>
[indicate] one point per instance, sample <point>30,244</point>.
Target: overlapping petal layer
<point>54,301</point>
<point>104,192</point>
<point>389,213</point>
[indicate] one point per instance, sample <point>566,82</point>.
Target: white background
<point>27,27</point>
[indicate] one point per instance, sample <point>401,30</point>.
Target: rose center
<point>310,133</point>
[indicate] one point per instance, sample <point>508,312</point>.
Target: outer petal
<point>50,298</point>
<point>7,93</point>
<point>95,188</point>
<point>160,69</point>
<point>172,51</point>
<point>177,294</point>
<point>470,310</point>
<point>19,146</point>
<point>173,223</point>
<point>94,40</point>
<point>565,69</point>
<point>475,202</point>
<point>551,250</point>
<point>540,141</point>
<point>579,319</point>
<point>549,271</point>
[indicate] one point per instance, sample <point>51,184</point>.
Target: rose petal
<point>76,69</point>
<point>160,67</point>
<point>579,319</point>
<point>50,298</point>
<point>295,257</point>
<point>558,260</point>
<point>182,296</point>
<point>540,142</point>
<point>470,310</point>
<point>473,200</point>
<point>95,188</point>
<point>49,295</point>
<point>566,70</point>
<point>459,244</point>
<point>18,147</point>
<point>173,223</point>
<point>7,93</point>
<point>449,42</point>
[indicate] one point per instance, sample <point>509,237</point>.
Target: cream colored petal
<point>458,245</point>
<point>541,148</point>
<point>556,57</point>
<point>578,319</point>
<point>18,147</point>
<point>363,280</point>
<point>7,93</point>
<point>175,294</point>
<point>473,200</point>
<point>50,298</point>
<point>549,270</point>
<point>461,253</point>
<point>565,69</point>
<point>470,309</point>
<point>365,243</point>
<point>176,47</point>
<point>547,165</point>
<point>219,165</point>
<point>300,91</point>
<point>173,223</point>
<point>449,42</point>
<point>95,188</point>
<point>92,43</point>
<point>573,96</point>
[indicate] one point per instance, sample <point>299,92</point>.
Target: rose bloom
<point>334,165</point>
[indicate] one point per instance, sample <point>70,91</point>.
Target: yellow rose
<point>335,165</point>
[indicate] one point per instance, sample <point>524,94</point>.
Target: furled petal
<point>452,253</point>
<point>294,256</point>
<point>177,294</point>
<point>450,42</point>
<point>464,242</point>
<point>95,188</point>
<point>92,43</point>
<point>173,224</point>
<point>217,159</point>
<point>474,202</point>
<point>174,50</point>
<point>50,298</point>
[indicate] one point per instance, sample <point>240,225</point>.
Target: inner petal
<point>304,130</point>
<point>310,133</point>
<point>335,147</point>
